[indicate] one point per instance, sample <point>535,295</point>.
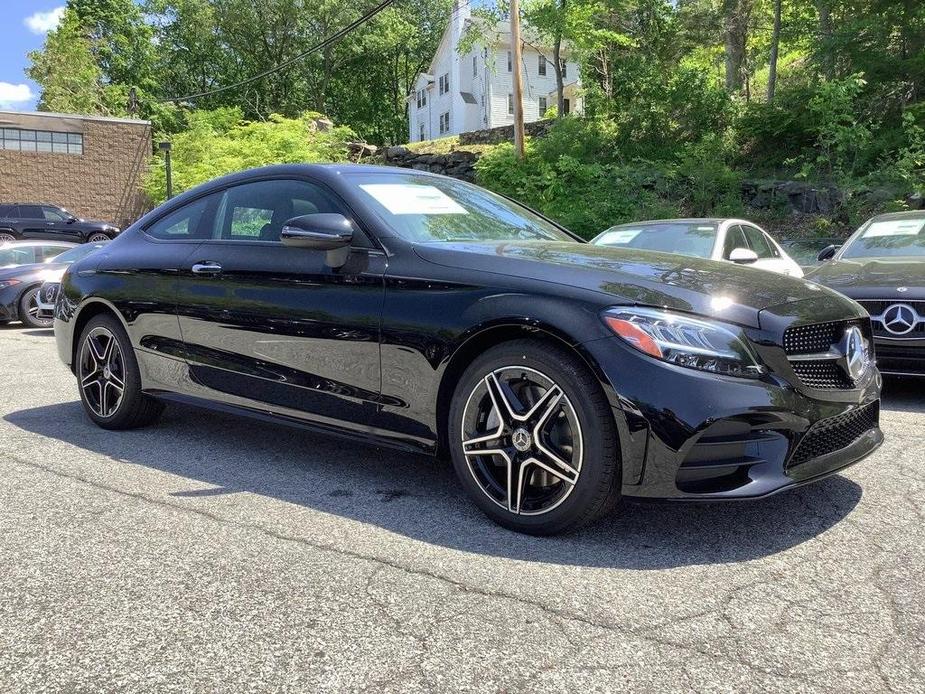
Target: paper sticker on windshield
<point>619,236</point>
<point>897,227</point>
<point>410,198</point>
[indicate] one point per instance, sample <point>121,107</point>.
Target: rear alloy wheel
<point>97,237</point>
<point>535,443</point>
<point>29,310</point>
<point>6,237</point>
<point>109,379</point>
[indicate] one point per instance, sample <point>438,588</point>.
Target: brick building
<point>92,166</point>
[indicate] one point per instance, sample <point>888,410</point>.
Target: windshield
<point>76,254</point>
<point>685,238</point>
<point>27,255</point>
<point>428,210</point>
<point>894,237</point>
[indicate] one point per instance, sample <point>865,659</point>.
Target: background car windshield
<point>693,239</point>
<point>428,210</point>
<point>81,251</point>
<point>894,237</point>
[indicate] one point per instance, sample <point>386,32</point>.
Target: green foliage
<point>219,142</point>
<point>67,70</point>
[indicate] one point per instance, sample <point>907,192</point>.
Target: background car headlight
<point>684,340</point>
<point>8,283</point>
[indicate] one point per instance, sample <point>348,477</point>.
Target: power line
<point>337,36</point>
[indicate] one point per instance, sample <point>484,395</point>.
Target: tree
<point>67,71</point>
<point>775,48</point>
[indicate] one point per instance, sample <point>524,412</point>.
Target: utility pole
<point>517,59</point>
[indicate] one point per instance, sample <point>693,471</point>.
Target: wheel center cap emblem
<point>899,319</point>
<point>521,440</point>
<point>106,372</point>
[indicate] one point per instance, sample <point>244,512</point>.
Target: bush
<point>220,142</point>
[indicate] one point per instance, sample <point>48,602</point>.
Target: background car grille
<point>48,293</point>
<point>876,307</point>
<point>818,338</point>
<point>835,433</point>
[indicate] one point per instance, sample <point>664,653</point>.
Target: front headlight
<point>696,343</point>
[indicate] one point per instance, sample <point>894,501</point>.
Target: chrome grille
<point>878,307</point>
<point>835,433</point>
<point>822,374</point>
<point>801,341</point>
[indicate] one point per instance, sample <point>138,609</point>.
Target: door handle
<point>207,268</point>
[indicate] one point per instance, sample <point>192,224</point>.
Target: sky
<point>25,24</point>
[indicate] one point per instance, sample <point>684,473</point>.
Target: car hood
<point>629,276</point>
<point>874,278</point>
<point>40,271</point>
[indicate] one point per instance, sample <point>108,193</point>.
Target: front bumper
<point>900,357</point>
<point>687,434</point>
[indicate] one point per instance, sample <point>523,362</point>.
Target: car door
<point>769,257</point>
<point>734,239</point>
<point>32,223</point>
<point>273,326</point>
<point>58,226</point>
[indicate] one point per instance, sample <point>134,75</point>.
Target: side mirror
<point>827,253</point>
<point>323,231</point>
<point>71,220</point>
<point>743,256</point>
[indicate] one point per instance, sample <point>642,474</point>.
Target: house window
<point>510,62</point>
<point>444,83</point>
<point>541,103</point>
<point>475,66</point>
<point>41,141</point>
<point>564,69</point>
<point>422,98</point>
<point>444,123</point>
<point>541,65</point>
<point>566,107</point>
<point>421,138</point>
<point>510,104</point>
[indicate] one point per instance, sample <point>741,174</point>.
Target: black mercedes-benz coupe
<point>882,267</point>
<point>402,307</point>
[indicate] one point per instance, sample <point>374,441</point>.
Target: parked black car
<point>882,267</point>
<point>407,308</point>
<point>51,284</point>
<point>41,221</point>
<point>24,265</point>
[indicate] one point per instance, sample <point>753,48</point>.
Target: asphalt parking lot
<point>211,553</point>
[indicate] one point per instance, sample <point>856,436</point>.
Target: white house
<point>464,92</point>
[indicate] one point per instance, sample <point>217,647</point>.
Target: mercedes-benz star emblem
<point>521,440</point>
<point>899,319</point>
<point>856,358</point>
<point>902,289</point>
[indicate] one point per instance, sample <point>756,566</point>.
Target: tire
<point>6,236</point>
<point>97,236</point>
<point>104,360</point>
<point>28,310</point>
<point>565,442</point>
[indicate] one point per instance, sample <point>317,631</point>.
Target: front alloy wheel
<point>109,378</point>
<point>97,237</point>
<point>522,440</point>
<point>29,310</point>
<point>102,372</point>
<point>533,438</point>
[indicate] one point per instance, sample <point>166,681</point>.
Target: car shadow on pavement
<point>418,497</point>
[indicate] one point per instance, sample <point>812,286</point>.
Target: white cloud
<point>43,22</point>
<point>12,94</point>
